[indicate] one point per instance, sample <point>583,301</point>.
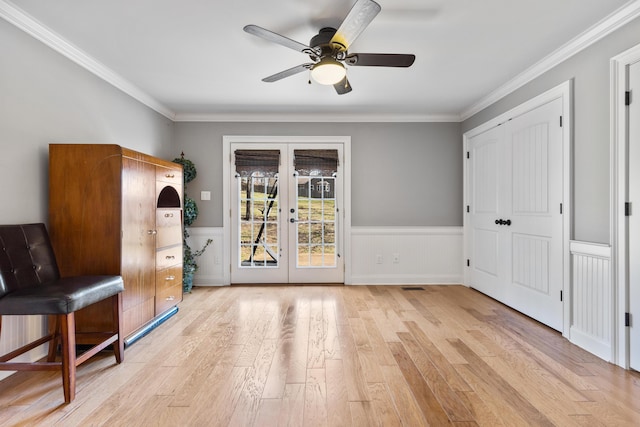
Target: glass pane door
<point>316,230</point>
<point>314,243</point>
<point>285,204</point>
<point>259,225</point>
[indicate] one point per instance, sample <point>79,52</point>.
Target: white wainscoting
<point>425,255</point>
<point>592,298</point>
<point>406,255</point>
<point>210,265</point>
<point>18,331</point>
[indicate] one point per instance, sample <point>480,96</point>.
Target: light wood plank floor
<point>336,356</point>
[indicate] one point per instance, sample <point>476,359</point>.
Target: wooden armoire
<point>117,211</point>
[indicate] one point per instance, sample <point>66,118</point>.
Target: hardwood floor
<point>336,356</point>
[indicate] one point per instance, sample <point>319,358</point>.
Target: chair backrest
<point>26,257</point>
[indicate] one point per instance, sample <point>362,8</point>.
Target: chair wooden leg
<point>68,335</point>
<point>118,346</point>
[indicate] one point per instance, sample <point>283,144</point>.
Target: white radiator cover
<point>592,298</point>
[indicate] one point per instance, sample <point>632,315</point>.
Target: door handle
<point>292,220</point>
<point>503,222</point>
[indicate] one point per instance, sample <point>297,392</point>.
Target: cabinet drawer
<point>168,277</point>
<point>169,227</point>
<point>167,298</point>
<point>168,257</point>
<point>173,176</point>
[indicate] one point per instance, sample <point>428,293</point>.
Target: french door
<point>286,202</point>
<point>515,177</point>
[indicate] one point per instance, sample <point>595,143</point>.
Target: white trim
<point>600,250</point>
<point>619,190</point>
<point>318,118</point>
<point>563,91</point>
<point>227,140</point>
<point>602,29</point>
<point>406,231</point>
<point>406,255</point>
<point>37,30</point>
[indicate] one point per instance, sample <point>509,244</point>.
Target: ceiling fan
<point>329,49</point>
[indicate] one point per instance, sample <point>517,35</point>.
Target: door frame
<point>619,195</point>
<point>564,92</point>
<point>227,140</point>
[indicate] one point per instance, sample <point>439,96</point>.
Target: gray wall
<point>590,73</point>
<point>45,98</point>
<point>402,174</point>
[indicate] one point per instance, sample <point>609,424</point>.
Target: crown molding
<point>37,30</point>
<point>600,30</point>
<point>318,118</point>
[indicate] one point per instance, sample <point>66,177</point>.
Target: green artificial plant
<point>189,213</point>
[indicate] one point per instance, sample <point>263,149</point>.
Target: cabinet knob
<point>170,298</point>
<point>152,232</point>
<point>168,215</point>
<point>170,278</point>
<point>169,175</point>
<point>170,257</point>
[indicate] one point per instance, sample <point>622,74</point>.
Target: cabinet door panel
<point>138,232</point>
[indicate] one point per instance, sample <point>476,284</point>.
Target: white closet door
<point>634,219</point>
<point>533,207</point>
<point>486,177</point>
<point>516,225</point>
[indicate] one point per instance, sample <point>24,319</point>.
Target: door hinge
<point>468,209</point>
<point>468,263</point>
<point>560,208</point>
<point>561,296</point>
<point>627,208</point>
<point>468,155</point>
<point>627,319</point>
<point>627,98</point>
<point>560,121</point>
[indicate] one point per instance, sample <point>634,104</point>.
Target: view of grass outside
<point>259,233</point>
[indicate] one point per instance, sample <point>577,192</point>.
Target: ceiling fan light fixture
<point>328,71</point>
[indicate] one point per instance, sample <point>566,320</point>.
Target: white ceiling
<point>190,59</point>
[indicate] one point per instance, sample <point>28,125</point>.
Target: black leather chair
<point>30,284</point>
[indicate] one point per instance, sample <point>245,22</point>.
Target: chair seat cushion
<point>62,296</point>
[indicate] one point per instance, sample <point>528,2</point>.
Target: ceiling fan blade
<point>358,18</point>
<point>276,38</point>
<point>343,86</point>
<point>380,59</point>
<point>287,73</point>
